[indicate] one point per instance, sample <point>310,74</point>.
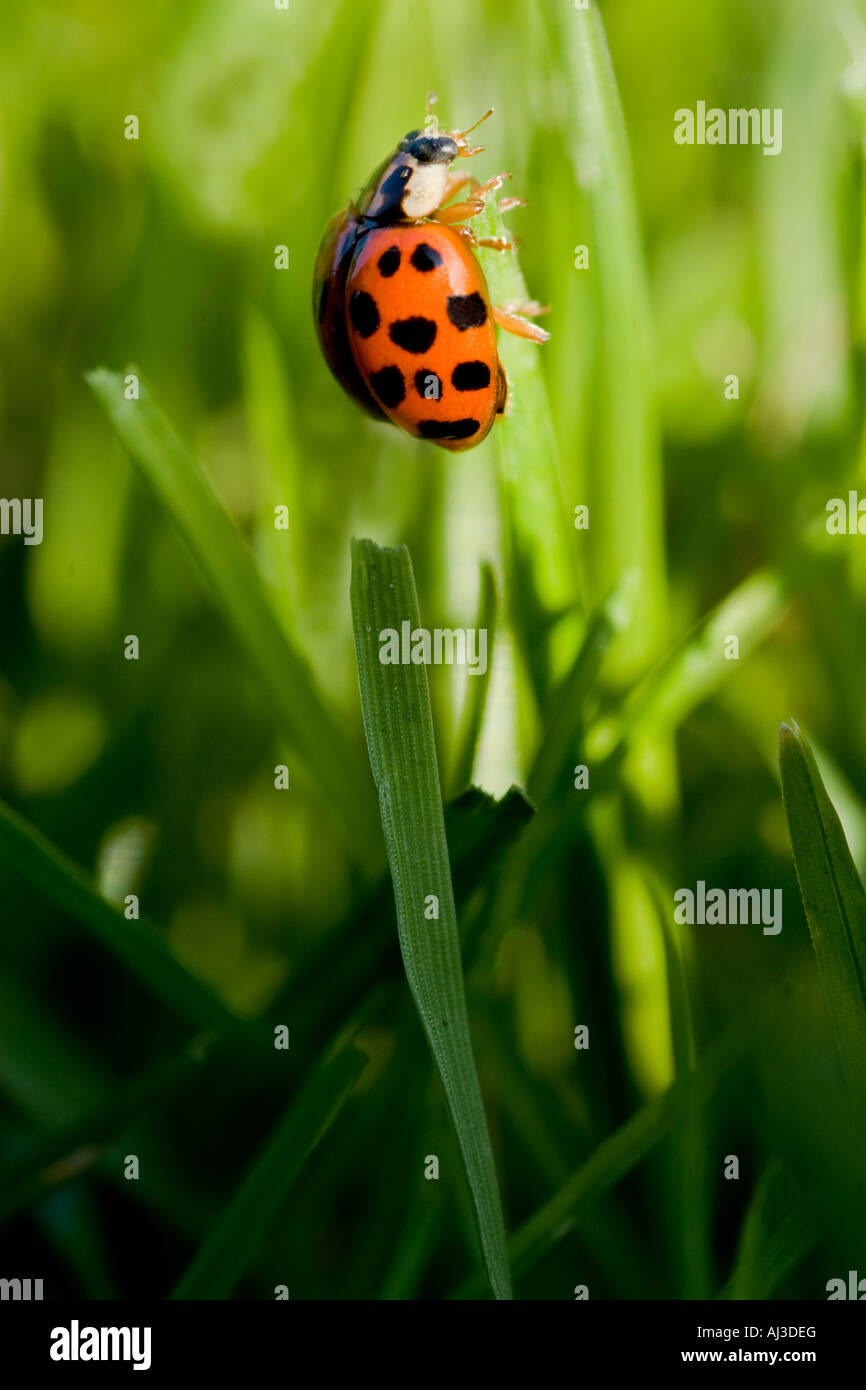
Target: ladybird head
<point>411,183</point>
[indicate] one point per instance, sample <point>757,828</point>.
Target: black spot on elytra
<point>363,313</point>
<point>389,386</point>
<point>389,261</point>
<point>447,429</point>
<point>428,384</point>
<point>424,257</point>
<point>467,310</point>
<point>470,376</point>
<point>413,335</point>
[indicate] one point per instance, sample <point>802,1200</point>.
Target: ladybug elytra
<point>402,309</point>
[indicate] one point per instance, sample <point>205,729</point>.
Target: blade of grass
<point>349,960</point>
<point>45,1072</point>
<point>269,417</point>
<point>621,1151</point>
<point>696,666</point>
<point>773,1261</point>
<point>51,1078</point>
<point>833,898</point>
<point>396,706</point>
<point>137,944</point>
<point>627,508</point>
<point>542,562</point>
<point>62,1155</point>
<point>472,715</point>
<point>239,1231</point>
<point>767,1251</point>
<point>414,1250</point>
<point>229,572</point>
<point>563,727</point>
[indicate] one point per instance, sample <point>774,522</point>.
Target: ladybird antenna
<point>460,136</point>
<point>469,129</point>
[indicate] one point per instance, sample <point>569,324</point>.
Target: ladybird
<point>403,313</point>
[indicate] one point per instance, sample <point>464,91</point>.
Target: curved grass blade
<point>622,1150</point>
<point>239,1231</point>
<point>230,574</point>
<point>833,898</point>
<point>697,666</point>
<point>768,1248</point>
<point>396,707</point>
<point>472,714</point>
<point>136,943</point>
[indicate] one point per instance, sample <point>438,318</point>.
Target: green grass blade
<point>627,510</point>
<point>396,707</point>
<point>351,958</point>
<point>564,723</point>
<point>472,715</point>
<point>239,1231</point>
<point>268,405</point>
<point>136,943</point>
<point>229,571</point>
<point>768,1248</point>
<point>45,1072</point>
<point>542,561</point>
<point>625,1148</point>
<point>697,666</point>
<point>62,1155</point>
<point>833,898</point>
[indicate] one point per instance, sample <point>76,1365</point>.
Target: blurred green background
<point>156,776</point>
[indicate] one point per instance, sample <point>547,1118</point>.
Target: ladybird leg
<point>467,234</point>
<point>508,318</point>
<point>461,212</point>
<point>496,243</point>
<point>455,182</point>
<point>529,307</point>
